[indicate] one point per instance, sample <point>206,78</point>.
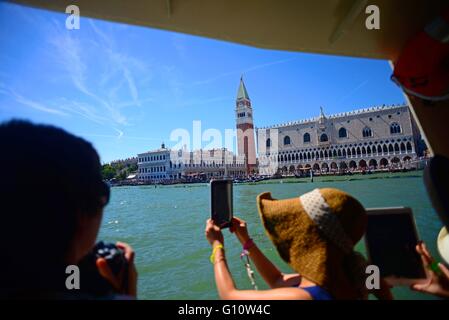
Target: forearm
<point>228,291</point>
<point>223,279</point>
<point>269,272</point>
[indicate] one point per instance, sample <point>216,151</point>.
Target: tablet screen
<point>221,200</point>
<point>391,239</point>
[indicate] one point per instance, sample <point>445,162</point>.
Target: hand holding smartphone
<point>221,202</point>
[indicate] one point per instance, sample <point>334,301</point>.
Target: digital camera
<point>91,282</point>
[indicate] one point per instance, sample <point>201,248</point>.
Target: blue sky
<point>126,88</point>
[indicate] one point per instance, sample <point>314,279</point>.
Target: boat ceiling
<point>334,27</point>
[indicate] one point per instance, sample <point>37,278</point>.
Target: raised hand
<point>126,281</point>
<point>240,229</point>
<point>213,233</point>
<point>436,284</point>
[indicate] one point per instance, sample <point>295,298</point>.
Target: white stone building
<point>153,165</point>
<point>358,140</point>
<point>166,165</point>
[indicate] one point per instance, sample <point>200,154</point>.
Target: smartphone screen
<point>221,202</point>
<point>391,238</point>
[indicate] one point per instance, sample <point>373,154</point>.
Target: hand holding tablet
<point>391,240</point>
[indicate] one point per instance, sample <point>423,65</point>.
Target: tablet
<point>391,239</point>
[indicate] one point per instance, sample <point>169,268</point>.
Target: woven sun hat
<point>443,244</point>
<point>315,234</point>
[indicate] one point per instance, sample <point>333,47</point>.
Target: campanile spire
<point>245,127</point>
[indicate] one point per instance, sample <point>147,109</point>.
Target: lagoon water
<point>165,225</point>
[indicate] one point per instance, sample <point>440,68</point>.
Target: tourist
<point>52,198</point>
<point>437,275</point>
<point>315,234</point>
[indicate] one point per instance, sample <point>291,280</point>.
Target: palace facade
<point>373,138</point>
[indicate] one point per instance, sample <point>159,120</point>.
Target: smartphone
<point>391,238</point>
<point>221,202</point>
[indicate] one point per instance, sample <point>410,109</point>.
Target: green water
<point>165,225</point>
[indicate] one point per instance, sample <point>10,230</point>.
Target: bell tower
<point>245,127</point>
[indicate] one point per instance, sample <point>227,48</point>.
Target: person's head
<point>316,233</point>
<point>52,198</point>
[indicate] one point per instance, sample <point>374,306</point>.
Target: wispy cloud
<point>38,106</point>
<point>119,133</point>
<point>121,63</point>
<point>178,42</point>
<point>69,51</point>
<point>30,103</point>
<point>198,102</point>
<point>353,91</point>
<point>239,72</point>
<point>103,75</point>
<point>112,136</point>
<point>83,110</point>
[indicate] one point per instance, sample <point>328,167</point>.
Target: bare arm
<point>228,291</point>
<point>269,272</point>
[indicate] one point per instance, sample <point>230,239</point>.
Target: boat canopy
<point>327,26</point>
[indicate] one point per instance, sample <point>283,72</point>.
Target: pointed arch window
<point>395,128</point>
<point>324,138</point>
<point>287,140</point>
<point>268,144</point>
<point>342,133</point>
<point>367,132</point>
<point>306,137</point>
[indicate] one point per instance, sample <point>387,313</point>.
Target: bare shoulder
<point>287,281</point>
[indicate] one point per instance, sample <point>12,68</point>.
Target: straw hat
<point>315,234</point>
<point>443,244</point>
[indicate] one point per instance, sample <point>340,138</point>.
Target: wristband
<point>212,256</point>
<point>434,267</point>
<point>248,244</point>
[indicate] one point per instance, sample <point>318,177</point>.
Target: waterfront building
<point>166,165</point>
<point>152,165</point>
<point>373,138</point>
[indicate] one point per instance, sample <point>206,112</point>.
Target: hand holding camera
<point>109,269</point>
<point>118,268</point>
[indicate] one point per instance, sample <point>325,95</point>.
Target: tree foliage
<point>118,170</point>
<point>107,172</point>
